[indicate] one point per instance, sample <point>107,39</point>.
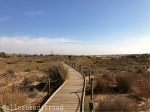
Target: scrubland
<point>121,83</point>
<point>24,79</point>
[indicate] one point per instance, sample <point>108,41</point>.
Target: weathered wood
<point>91,104</point>
<point>91,89</point>
<point>69,94</point>
<point>91,107</point>
<point>89,77</point>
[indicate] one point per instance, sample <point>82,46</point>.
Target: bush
<point>29,80</point>
<point>17,97</point>
<point>124,83</point>
<point>27,69</point>
<point>40,61</point>
<point>141,87</point>
<point>11,62</point>
<point>10,71</point>
<point>102,85</point>
<point>114,104</point>
<point>56,71</point>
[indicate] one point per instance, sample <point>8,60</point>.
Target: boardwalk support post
<point>89,77</point>
<point>91,89</point>
<point>91,104</point>
<point>49,83</point>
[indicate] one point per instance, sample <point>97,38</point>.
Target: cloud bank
<point>43,45</point>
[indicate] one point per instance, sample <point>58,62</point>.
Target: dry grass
<point>103,83</point>
<point>17,97</point>
<point>132,79</point>
<point>32,63</point>
<point>114,104</point>
<point>27,73</point>
<point>141,87</point>
<point>124,83</point>
<point>56,71</point>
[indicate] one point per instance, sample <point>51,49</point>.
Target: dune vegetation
<point>118,81</point>
<point>24,79</point>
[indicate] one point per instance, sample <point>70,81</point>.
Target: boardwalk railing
<point>83,95</point>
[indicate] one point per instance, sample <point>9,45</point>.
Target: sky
<point>76,27</point>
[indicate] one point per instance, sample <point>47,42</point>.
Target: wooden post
<point>69,62</point>
<point>91,107</point>
<point>91,89</point>
<point>49,90</point>
<point>89,77</point>
<point>91,103</point>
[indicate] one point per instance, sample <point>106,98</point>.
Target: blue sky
<point>84,27</point>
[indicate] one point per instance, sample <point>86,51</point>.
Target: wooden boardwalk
<point>68,97</point>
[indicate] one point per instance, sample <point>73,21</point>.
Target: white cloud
<point>34,13</point>
<point>2,19</point>
<point>24,44</point>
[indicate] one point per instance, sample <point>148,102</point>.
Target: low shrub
<point>27,69</point>
<point>141,87</point>
<point>102,85</point>
<point>56,71</point>
<point>124,83</point>
<point>40,61</point>
<point>10,71</point>
<point>18,97</point>
<point>11,62</point>
<point>29,80</point>
<point>118,104</point>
